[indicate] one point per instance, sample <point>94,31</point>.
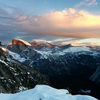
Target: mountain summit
<point>18,45</point>
<point>19,42</point>
<point>42,43</point>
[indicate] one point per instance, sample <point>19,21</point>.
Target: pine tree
<point>0,43</point>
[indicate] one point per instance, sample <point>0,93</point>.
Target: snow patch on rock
<point>16,56</point>
<point>3,62</point>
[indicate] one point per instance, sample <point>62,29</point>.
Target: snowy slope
<point>43,92</point>
<point>13,54</point>
<point>73,50</point>
<point>46,52</point>
<point>16,56</point>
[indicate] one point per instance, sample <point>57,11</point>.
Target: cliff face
<point>18,45</point>
<point>20,42</point>
<point>14,76</point>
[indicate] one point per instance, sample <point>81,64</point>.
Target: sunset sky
<point>49,19</point>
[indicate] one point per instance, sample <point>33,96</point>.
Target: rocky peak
<point>20,42</point>
<point>18,45</point>
<point>45,44</point>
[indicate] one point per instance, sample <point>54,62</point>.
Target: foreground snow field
<point>44,92</point>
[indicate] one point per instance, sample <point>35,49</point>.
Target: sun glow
<point>86,42</point>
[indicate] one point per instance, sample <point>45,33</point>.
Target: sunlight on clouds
<point>70,22</point>
<point>86,42</point>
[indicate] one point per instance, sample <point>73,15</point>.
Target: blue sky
<point>49,19</point>
<point>45,6</point>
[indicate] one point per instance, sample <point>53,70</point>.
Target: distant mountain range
<point>76,68</point>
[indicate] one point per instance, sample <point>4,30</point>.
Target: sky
<point>49,19</point>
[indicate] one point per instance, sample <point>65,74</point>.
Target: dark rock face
<point>68,71</point>
<point>96,76</point>
<point>14,76</point>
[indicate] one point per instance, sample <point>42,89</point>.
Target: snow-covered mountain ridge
<point>23,48</point>
<point>67,66</point>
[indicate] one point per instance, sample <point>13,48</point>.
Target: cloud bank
<point>69,23</point>
<point>66,23</point>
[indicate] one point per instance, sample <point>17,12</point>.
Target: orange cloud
<point>70,23</point>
